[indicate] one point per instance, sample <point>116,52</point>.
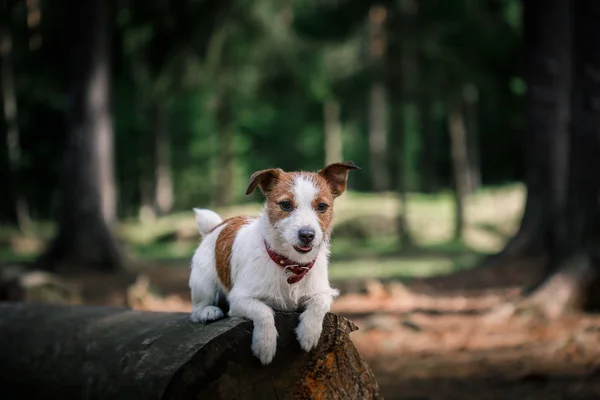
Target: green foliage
<point>275,64</point>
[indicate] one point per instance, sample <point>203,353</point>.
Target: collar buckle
<point>290,268</point>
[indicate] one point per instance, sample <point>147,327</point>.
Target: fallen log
<point>74,352</point>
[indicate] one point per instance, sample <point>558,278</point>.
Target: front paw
<point>309,331</point>
<point>264,342</point>
<point>206,314</point>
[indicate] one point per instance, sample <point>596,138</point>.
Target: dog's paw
<point>205,314</point>
<point>309,331</point>
<point>264,342</point>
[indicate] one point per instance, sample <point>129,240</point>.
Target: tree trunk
<point>96,352</point>
<point>547,35</point>
<point>471,95</point>
<point>147,153</point>
<point>84,237</point>
<point>572,213</point>
<point>163,190</point>
<point>460,166</point>
<point>378,101</point>
<point>333,132</point>
<point>575,230</point>
<point>409,75</point>
<point>147,211</point>
<point>147,171</point>
<point>9,101</point>
<point>429,178</point>
<point>378,137</point>
<point>226,156</point>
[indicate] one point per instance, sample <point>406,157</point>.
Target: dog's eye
<point>322,207</point>
<point>286,205</point>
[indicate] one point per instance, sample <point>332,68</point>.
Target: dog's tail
<point>206,220</point>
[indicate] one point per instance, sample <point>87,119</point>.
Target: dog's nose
<point>306,235</point>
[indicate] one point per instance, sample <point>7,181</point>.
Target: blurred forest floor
<point>431,326</point>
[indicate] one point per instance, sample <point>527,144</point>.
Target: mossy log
<point>75,352</point>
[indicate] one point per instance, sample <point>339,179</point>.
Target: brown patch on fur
<point>281,191</point>
<point>336,175</point>
<point>264,179</point>
<point>224,246</point>
<point>324,195</point>
<point>225,221</point>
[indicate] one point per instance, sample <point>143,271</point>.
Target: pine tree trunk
<point>460,166</point>
<point>429,179</point>
<point>147,210</point>
<point>225,184</point>
<point>147,172</point>
<point>333,132</point>
<point>471,94</point>
<point>378,136</point>
<point>163,188</point>
<point>575,230</point>
<point>378,101</point>
<point>547,35</point>
<point>9,101</point>
<point>409,76</point>
<point>570,224</point>
<point>84,237</point>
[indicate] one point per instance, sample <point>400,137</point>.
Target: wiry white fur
<point>204,283</point>
<point>258,285</point>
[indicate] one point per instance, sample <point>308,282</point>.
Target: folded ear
<point>264,179</point>
<point>336,175</point>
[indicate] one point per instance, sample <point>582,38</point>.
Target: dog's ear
<point>264,179</point>
<point>336,175</point>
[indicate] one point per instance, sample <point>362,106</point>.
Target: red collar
<point>299,270</point>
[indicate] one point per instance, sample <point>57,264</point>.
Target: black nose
<point>306,235</point>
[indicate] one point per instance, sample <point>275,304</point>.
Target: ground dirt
<point>436,338</point>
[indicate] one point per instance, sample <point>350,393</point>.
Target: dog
<point>276,261</point>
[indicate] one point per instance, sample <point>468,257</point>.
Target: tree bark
<point>163,191</point>
<point>471,96</point>
<point>96,352</point>
<point>333,132</point>
<point>146,211</point>
<point>575,232</point>
<point>429,178</point>
<point>570,224</point>
<point>409,76</point>
<point>84,237</point>
<point>547,36</point>
<point>225,183</point>
<point>147,153</point>
<point>577,190</point>
<point>378,100</point>
<point>9,101</point>
<point>460,166</point>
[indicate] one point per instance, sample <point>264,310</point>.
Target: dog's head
<point>299,206</point>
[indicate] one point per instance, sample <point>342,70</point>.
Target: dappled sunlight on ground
<point>471,356</point>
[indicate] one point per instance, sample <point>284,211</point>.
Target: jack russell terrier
<point>276,261</point>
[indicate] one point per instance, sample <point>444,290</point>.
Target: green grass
<point>492,217</point>
<point>393,268</point>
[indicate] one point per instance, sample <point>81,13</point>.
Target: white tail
<point>206,220</point>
